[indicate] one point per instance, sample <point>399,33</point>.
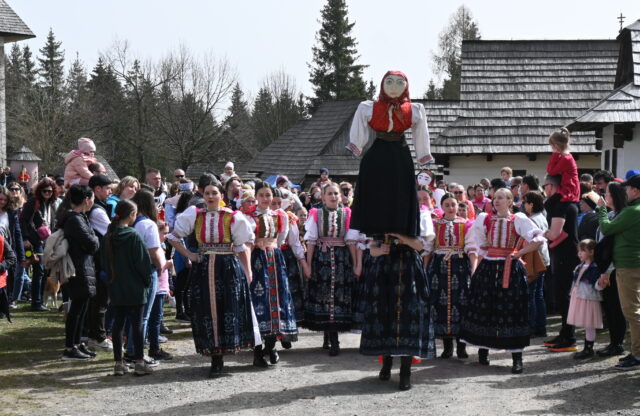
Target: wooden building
<point>320,141</point>
<point>513,95</point>
<point>12,29</point>
<point>615,119</point>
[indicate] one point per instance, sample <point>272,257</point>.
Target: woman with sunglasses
<point>37,217</point>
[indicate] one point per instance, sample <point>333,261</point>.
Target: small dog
<point>51,289</point>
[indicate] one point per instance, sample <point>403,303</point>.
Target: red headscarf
<point>400,106</point>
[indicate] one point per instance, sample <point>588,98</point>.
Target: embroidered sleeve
<point>352,237</point>
<point>293,240</point>
<point>311,227</point>
<point>430,245</point>
<point>476,238</point>
<point>426,229</point>
<point>359,133</point>
<point>420,134</point>
<point>184,225</point>
<point>241,231</point>
<point>527,229</point>
<point>283,227</point>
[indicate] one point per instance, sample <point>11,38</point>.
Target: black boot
<point>483,356</point>
<point>461,349</point>
<point>587,352</point>
<point>405,372</point>
<point>517,363</point>
<point>258,357</point>
<point>286,345</point>
<point>335,344</point>
<point>270,346</point>
<point>448,348</point>
<point>325,343</point>
<point>385,371</point>
<point>216,366</point>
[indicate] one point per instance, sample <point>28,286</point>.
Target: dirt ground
<point>308,381</point>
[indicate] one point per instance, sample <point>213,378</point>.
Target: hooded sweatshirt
<point>131,278</point>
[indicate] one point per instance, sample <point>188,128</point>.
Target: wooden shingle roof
<point>515,93</point>
<point>12,28</point>
<point>320,141</point>
<point>294,152</point>
<point>622,105</point>
<point>24,154</point>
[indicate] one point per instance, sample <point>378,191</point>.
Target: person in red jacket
<point>562,163</point>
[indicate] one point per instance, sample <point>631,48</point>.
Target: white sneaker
<point>13,305</point>
<point>105,345</point>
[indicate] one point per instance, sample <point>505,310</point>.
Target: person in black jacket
<point>83,244</point>
<point>38,214</point>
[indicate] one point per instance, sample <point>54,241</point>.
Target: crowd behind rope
<point>220,246</point>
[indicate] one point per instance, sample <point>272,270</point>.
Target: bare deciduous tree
<point>189,102</point>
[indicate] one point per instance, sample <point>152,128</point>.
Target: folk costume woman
<point>449,271</point>
<point>388,163</point>
<point>397,319</point>
<point>270,286</point>
<point>295,258</point>
<point>222,316</point>
<point>497,310</point>
<point>331,252</point>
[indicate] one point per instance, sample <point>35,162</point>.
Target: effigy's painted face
<point>424,179</point>
<point>394,85</point>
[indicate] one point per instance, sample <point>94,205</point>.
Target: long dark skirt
<point>222,318</point>
<point>329,302</point>
<point>497,318</point>
<point>270,295</point>
<point>389,166</point>
<point>360,296</point>
<point>397,319</point>
<point>296,283</point>
<point>449,292</point>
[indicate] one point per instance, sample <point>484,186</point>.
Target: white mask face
<point>424,179</point>
<point>394,85</point>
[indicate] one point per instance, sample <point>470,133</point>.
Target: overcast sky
<point>263,36</point>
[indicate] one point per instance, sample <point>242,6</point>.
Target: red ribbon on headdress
<point>401,108</point>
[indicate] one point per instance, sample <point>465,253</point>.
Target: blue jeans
<point>20,282</point>
<point>537,306</point>
<point>155,321</point>
<point>147,311</point>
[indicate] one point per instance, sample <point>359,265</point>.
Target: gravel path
<point>308,381</point>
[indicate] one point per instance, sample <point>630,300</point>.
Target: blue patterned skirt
<point>270,295</point>
<point>222,318</point>
<point>396,312</point>
<point>328,305</point>
<point>449,292</point>
<point>296,283</point>
<point>360,293</point>
<point>497,318</point>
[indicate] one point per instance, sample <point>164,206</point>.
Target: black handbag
<point>603,253</point>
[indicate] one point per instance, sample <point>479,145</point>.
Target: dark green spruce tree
<point>334,73</point>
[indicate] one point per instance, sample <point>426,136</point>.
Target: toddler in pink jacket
<point>78,161</point>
